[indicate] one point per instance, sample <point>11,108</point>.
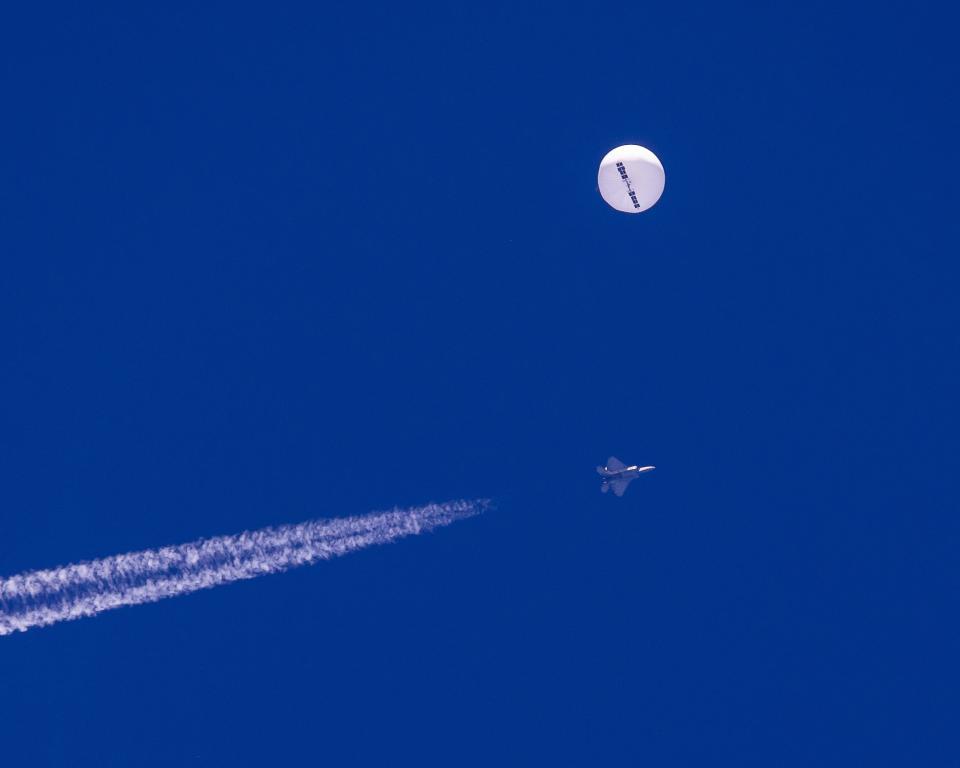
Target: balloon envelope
<point>630,178</point>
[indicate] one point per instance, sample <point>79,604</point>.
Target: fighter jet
<point>617,475</point>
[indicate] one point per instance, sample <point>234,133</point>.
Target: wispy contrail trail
<point>38,598</point>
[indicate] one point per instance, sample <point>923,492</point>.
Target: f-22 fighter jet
<point>617,475</point>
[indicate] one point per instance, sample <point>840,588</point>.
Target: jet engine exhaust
<point>39,598</point>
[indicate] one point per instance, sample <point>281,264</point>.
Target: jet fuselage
<point>617,475</point>
<point>626,472</point>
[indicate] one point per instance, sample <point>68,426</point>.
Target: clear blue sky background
<point>267,264</point>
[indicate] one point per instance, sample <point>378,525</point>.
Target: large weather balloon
<point>630,178</point>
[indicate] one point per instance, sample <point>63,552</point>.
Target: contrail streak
<point>38,598</point>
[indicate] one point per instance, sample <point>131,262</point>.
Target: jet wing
<point>619,486</point>
<point>615,465</point>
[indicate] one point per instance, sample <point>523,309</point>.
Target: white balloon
<point>630,178</point>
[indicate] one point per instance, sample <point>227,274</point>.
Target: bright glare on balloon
<point>630,178</point>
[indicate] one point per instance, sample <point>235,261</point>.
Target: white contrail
<point>38,598</point>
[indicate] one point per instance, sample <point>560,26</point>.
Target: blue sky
<point>263,265</point>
